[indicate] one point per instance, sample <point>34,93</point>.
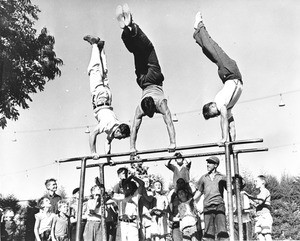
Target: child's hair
<point>60,203</point>
<point>263,178</point>
<point>122,169</point>
<point>48,181</point>
<point>40,204</point>
<point>8,212</point>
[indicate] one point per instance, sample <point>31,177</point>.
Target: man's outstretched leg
<point>97,71</point>
<point>147,67</point>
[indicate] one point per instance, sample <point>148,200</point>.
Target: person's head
<point>212,163</point>
<point>180,183</point>
<point>8,214</point>
<point>129,187</point>
<point>75,193</point>
<point>260,181</point>
<point>146,181</point>
<point>95,191</point>
<point>122,131</point>
<point>148,106</point>
<point>51,185</point>
<point>44,203</point>
<point>63,206</point>
<point>210,110</point>
<point>122,173</point>
<point>182,194</point>
<point>158,186</point>
<point>179,160</point>
<point>240,180</point>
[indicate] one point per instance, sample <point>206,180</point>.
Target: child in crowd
<point>245,212</point>
<point>92,231</point>
<point>134,188</point>
<point>9,227</point>
<point>188,216</point>
<point>159,214</point>
<point>43,220</point>
<point>262,203</point>
<point>61,222</point>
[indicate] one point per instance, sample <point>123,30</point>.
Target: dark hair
<point>76,190</point>
<point>49,180</point>
<point>206,110</point>
<point>122,169</point>
<point>124,129</point>
<point>263,178</point>
<point>127,184</point>
<point>148,106</point>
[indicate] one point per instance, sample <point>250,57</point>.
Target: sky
<point>261,36</point>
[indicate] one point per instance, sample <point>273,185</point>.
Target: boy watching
<point>60,225</point>
<point>51,186</point>
<point>262,203</point>
<point>9,225</point>
<point>43,220</point>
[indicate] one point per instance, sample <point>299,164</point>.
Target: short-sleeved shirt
<point>154,91</point>
<point>61,225</point>
<point>53,200</point>
<point>45,219</point>
<point>180,171</point>
<point>92,205</point>
<point>107,121</point>
<point>212,189</point>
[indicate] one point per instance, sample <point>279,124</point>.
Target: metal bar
<point>80,201</point>
<point>237,190</point>
<point>229,190</point>
<point>161,150</point>
<point>102,205</point>
<point>173,157</point>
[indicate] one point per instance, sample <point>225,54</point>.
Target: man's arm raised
<point>164,110</point>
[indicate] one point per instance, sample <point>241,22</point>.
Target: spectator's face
<point>182,195</point>
<point>52,186</point>
<point>210,166</point>
<point>96,191</point>
<point>179,161</point>
<point>76,195</point>
<point>258,182</point>
<point>46,203</point>
<point>64,208</point>
<point>157,187</point>
<point>147,182</point>
<point>9,216</point>
<point>122,175</point>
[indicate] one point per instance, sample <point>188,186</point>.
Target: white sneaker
<point>198,19</point>
<point>120,16</point>
<point>127,15</point>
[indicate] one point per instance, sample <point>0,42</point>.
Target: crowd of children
<point>138,208</point>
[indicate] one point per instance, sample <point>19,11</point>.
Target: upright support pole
<point>229,190</point>
<point>102,200</point>
<point>80,201</point>
<point>237,190</point>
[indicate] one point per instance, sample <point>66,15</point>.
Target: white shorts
<point>263,223</point>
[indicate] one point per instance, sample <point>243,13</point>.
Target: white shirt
<point>107,120</point>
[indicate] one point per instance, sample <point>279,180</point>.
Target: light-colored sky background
<point>262,36</point>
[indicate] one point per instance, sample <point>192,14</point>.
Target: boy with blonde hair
<point>262,203</point>
<point>60,225</point>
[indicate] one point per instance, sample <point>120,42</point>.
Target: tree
<point>27,60</point>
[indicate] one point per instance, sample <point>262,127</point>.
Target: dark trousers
<point>111,231</point>
<point>227,67</point>
<point>215,222</point>
<point>247,231</point>
<point>147,68</point>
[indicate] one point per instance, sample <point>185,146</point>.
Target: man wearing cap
<point>212,186</point>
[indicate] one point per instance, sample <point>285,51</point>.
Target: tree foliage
<point>27,59</point>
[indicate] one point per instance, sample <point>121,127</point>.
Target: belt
<point>102,104</point>
<point>127,220</point>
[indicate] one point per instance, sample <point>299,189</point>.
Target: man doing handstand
<point>149,76</point>
<point>230,75</point>
<point>102,98</point>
